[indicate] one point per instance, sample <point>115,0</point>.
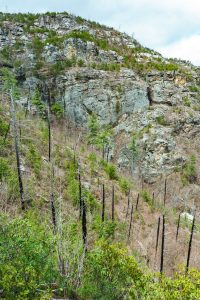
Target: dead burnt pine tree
<point>130,224</point>
<point>113,203</point>
<point>162,246</point>
<point>49,126</point>
<point>157,236</point>
<point>80,193</point>
<point>137,202</point>
<point>153,198</point>
<point>84,224</point>
<point>165,192</point>
<point>190,245</point>
<point>178,225</point>
<point>17,152</point>
<point>53,210</point>
<point>128,204</point>
<point>103,203</point>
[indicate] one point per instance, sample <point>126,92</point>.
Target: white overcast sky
<point>171,27</point>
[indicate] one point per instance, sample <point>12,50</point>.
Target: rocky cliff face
<point>94,69</point>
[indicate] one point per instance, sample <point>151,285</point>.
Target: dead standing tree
<point>10,86</point>
<point>162,247</point>
<point>190,245</point>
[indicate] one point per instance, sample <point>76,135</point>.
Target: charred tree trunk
<point>137,202</point>
<point>130,224</point>
<point>190,246</point>
<point>84,225</point>
<point>128,204</point>
<point>178,225</point>
<point>165,192</point>
<point>103,203</point>
<point>80,194</point>
<point>53,210</point>
<point>113,203</point>
<point>157,236</point>
<point>162,246</point>
<point>17,152</point>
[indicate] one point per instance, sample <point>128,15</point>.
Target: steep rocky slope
<point>90,68</point>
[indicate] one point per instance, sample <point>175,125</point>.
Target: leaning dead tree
<point>190,245</point>
<point>162,246</point>
<point>137,202</point>
<point>157,236</point>
<point>80,193</point>
<point>128,203</point>
<point>17,152</point>
<point>130,224</point>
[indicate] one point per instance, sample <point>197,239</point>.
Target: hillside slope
<point>118,115</point>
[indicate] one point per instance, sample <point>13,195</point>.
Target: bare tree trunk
<point>49,133</point>
<point>130,224</point>
<point>165,192</point>
<point>53,210</point>
<point>16,142</point>
<point>80,193</point>
<point>128,204</point>
<point>178,225</point>
<point>84,224</point>
<point>157,235</point>
<point>190,246</point>
<point>162,246</point>
<point>137,202</point>
<point>103,203</point>
<point>113,203</point>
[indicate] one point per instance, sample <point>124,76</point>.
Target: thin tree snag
<point>178,225</point>
<point>162,246</point>
<point>190,246</point>
<point>137,202</point>
<point>128,204</point>
<point>157,236</point>
<point>130,224</point>
<point>84,224</point>
<point>165,192</point>
<point>53,210</point>
<point>113,203</point>
<point>80,193</point>
<point>153,198</point>
<point>103,203</point>
<point>16,142</point>
<point>49,133</point>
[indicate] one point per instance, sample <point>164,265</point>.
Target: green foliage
<point>34,159</point>
<point>186,101</point>
<point>146,197</point>
<point>4,168</point>
<point>188,173</point>
<point>161,121</point>
<point>72,191</point>
<point>91,202</point>
<point>125,185</point>
<point>133,147</point>
<point>36,100</point>
<point>194,89</point>
<point>110,170</point>
<point>98,136</point>
<point>104,230</point>
<point>37,45</point>
<point>109,273</point>
<point>27,258</point>
<point>57,109</point>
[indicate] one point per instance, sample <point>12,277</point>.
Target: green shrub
<point>28,258</point>
<point>161,121</point>
<point>124,185</point>
<point>111,171</point>
<point>34,159</point>
<point>146,197</point>
<point>57,109</point>
<point>4,168</point>
<point>188,173</point>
